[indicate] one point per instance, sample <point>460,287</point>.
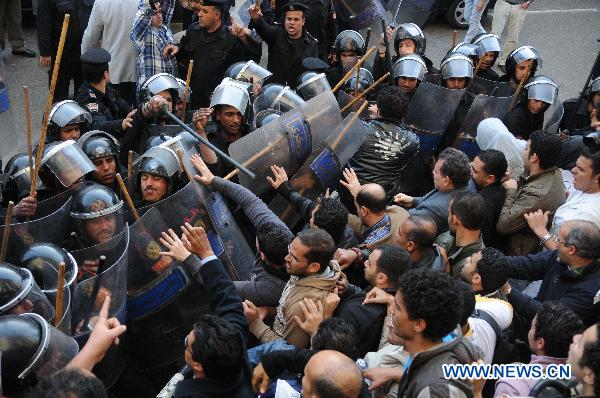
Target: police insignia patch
<point>153,250</point>
<point>98,205</point>
<point>93,107</point>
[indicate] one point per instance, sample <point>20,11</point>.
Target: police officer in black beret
<point>212,47</point>
<point>288,45</point>
<point>110,113</point>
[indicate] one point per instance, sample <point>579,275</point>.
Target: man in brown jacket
<point>313,276</point>
<point>541,187</point>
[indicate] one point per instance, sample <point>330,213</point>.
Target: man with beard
<point>288,45</point>
<point>102,149</point>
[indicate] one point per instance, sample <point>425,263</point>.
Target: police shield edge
<point>430,99</point>
<point>415,11</point>
<point>553,116</point>
<point>51,228</point>
<point>359,13</point>
<point>323,168</point>
<point>287,141</point>
<point>483,107</point>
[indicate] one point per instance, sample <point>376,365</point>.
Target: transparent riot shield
<point>553,116</point>
<point>88,298</point>
<point>323,168</point>
<point>287,141</point>
<point>479,85</point>
<point>360,13</point>
<point>51,228</point>
<point>430,112</point>
<point>504,89</point>
<point>483,107</point>
<point>344,99</point>
<point>68,162</point>
<point>50,205</point>
<point>415,11</point>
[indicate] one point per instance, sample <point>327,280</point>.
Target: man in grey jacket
<point>451,174</point>
<point>269,275</point>
<point>109,27</point>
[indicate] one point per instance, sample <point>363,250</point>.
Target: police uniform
<point>108,109</point>
<point>286,54</point>
<point>218,137</point>
<point>212,53</point>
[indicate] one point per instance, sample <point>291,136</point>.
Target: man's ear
<point>410,246</point>
<point>313,268</point>
<point>420,325</point>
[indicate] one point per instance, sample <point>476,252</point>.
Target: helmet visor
<point>542,92</point>
<point>68,162</point>
<point>69,112</point>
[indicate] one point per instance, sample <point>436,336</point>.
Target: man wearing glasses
<point>570,274</point>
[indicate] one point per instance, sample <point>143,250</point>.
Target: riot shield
<point>88,298</point>
<point>344,99</point>
<point>323,168</point>
<point>553,116</point>
<point>430,112</point>
<point>51,228</point>
<point>479,85</point>
<point>483,107</point>
<point>359,14</point>
<point>287,141</point>
<point>68,162</point>
<point>48,206</point>
<point>504,89</point>
<point>415,11</point>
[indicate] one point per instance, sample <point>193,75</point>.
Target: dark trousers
<point>68,71</point>
<point>10,22</point>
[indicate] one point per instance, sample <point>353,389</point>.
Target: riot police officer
<point>528,116</point>
<point>20,294</point>
<point>64,166</point>
<point>517,63</point>
<point>581,120</point>
<point>409,70</point>
<point>489,49</point>
<point>103,150</point>
<point>348,46</point>
<point>16,187</point>
<point>157,175</point>
<point>160,90</point>
<point>110,112</point>
<point>67,121</point>
<point>42,259</point>
<point>97,213</point>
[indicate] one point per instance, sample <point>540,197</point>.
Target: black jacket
<point>384,154</point>
<point>494,196</point>
<point>212,53</point>
<point>108,110</point>
<point>488,74</point>
<point>581,120</point>
<point>217,136</point>
<point>49,21</point>
<point>578,291</point>
<point>521,122</point>
<point>286,54</point>
<point>225,302</point>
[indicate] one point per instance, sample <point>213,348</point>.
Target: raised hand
<point>196,241</point>
<point>206,176</point>
<point>280,176</point>
<point>351,181</point>
<point>176,247</point>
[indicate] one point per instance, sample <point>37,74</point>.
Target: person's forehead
<point>294,14</point>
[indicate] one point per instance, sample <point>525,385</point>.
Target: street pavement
<point>564,32</point>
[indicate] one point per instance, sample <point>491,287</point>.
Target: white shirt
<point>579,206</point>
<point>110,27</point>
<point>480,333</point>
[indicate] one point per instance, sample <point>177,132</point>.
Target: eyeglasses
<point>557,240</point>
<point>291,255</point>
<point>187,347</point>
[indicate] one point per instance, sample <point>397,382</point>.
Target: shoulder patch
<point>92,95</point>
<point>93,107</point>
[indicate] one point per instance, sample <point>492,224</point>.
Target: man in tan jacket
<point>314,274</point>
<point>541,187</point>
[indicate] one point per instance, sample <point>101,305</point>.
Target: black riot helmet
<point>158,83</point>
<point>234,70</point>
<point>522,54</point>
<point>413,32</point>
<point>17,179</point>
<point>19,293</point>
<point>97,144</point>
<point>63,163</point>
<point>155,140</point>
<point>63,114</point>
<point>161,162</point>
<point>43,259</point>
<point>311,84</point>
<point>364,81</point>
<point>93,205</point>
<point>31,348</point>
<point>349,40</point>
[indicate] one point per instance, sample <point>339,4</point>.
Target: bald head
<point>372,197</point>
<point>331,374</point>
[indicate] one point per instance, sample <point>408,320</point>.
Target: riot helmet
<point>43,259</point>
<point>265,117</point>
<point>103,150</point>
<point>161,162</point>
<point>364,81</point>
<point>97,213</point>
<point>487,42</point>
<point>541,88</point>
<point>278,97</point>
<point>523,54</point>
<point>413,32</point>
<point>66,113</point>
<point>31,348</point>
<point>250,72</point>
<point>411,66</point>
<point>155,140</point>
<point>456,65</point>
<point>159,83</point>
<point>17,180</point>
<point>311,84</point>
<point>234,70</point>
<point>467,49</point>
<point>181,91</point>
<point>349,40</point>
<point>231,93</point>
<point>19,293</point>
<point>64,163</point>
